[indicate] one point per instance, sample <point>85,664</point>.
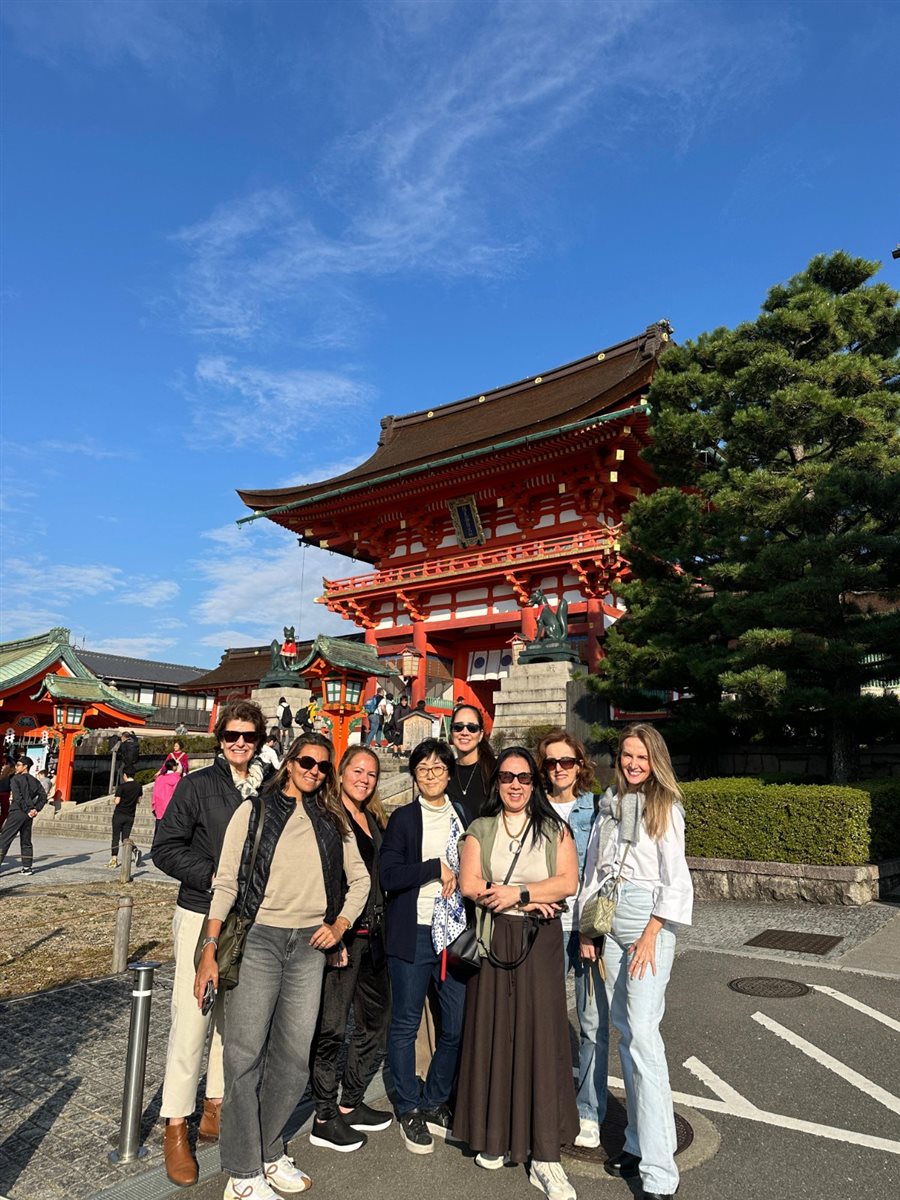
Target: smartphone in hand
<point>209,999</point>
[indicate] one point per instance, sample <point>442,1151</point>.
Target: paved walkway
<point>64,1051</point>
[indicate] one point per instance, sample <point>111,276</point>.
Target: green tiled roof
<point>354,656</point>
<point>91,691</point>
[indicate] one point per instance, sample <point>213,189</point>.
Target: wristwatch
<point>524,896</point>
<point>209,941</point>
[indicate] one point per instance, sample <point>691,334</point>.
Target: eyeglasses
<point>459,726</point>
<point>308,763</point>
<point>509,776</point>
<point>431,772</point>
<point>233,735</point>
<point>566,763</point>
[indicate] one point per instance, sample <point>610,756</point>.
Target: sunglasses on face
<point>308,763</point>
<point>459,726</point>
<point>233,735</point>
<point>566,763</point>
<point>523,777</point>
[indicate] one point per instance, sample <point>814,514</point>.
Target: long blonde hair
<point>661,789</point>
<point>327,795</point>
<point>373,805</point>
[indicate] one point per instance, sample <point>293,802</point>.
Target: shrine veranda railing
<point>586,542</point>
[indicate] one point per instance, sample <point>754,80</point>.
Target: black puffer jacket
<point>189,838</point>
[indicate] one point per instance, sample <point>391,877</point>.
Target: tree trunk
<point>843,750</point>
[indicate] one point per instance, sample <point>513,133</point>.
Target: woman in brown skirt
<point>516,1097</point>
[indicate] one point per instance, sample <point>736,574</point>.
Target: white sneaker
<point>490,1162</point>
<point>254,1188</point>
<point>588,1134</point>
<point>286,1176</point>
<point>552,1179</point>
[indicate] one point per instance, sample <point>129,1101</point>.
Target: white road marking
<point>858,1005</point>
<point>750,1113</point>
<point>833,1064</point>
<point>718,1085</point>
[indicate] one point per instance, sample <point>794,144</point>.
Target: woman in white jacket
<point>637,845</point>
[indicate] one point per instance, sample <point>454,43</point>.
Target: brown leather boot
<point>181,1166</point>
<point>209,1122</point>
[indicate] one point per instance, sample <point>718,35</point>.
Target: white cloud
<point>241,405</point>
<point>131,647</point>
<point>150,593</point>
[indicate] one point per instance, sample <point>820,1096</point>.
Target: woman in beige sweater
<point>296,897</point>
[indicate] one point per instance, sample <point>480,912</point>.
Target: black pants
<point>368,992</point>
<point>121,827</point>
<point>18,822</point>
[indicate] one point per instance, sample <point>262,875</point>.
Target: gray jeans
<point>270,1020</point>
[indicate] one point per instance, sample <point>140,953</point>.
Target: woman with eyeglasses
<point>475,760</point>
<point>568,775</point>
<point>186,845</point>
<point>516,1098</point>
<point>636,849</point>
<point>425,912</point>
<point>307,888</point>
<point>359,981</point>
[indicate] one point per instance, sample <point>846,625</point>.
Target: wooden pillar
<point>594,629</point>
<point>66,764</point>
<point>371,683</point>
<point>420,643</point>
<point>529,623</point>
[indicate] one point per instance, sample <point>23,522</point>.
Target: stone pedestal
<point>531,694</point>
<point>267,699</point>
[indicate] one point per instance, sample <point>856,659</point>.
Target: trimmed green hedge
<point>824,824</point>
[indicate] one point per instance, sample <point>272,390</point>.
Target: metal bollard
<point>123,934</point>
<point>129,1147</point>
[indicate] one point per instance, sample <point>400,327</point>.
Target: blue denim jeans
<point>637,1007</point>
<point>374,734</point>
<point>409,987</point>
<point>270,1020</point>
<point>593,1040</point>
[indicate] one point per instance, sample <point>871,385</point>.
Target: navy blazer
<point>402,874</point>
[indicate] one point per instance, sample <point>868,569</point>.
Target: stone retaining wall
<point>737,879</point>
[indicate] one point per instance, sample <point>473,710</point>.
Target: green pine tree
<point>767,565</point>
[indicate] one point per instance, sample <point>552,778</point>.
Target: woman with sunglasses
<point>475,760</point>
<point>301,910</point>
<point>516,1098</point>
<point>187,845</point>
<point>359,981</point>
<point>419,865</point>
<point>637,849</point>
<point>568,775</point>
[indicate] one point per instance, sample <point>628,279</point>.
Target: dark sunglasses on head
<point>566,763</point>
<point>308,763</point>
<point>509,776</point>
<point>459,726</point>
<point>231,736</point>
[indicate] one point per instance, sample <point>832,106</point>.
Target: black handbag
<point>236,926</point>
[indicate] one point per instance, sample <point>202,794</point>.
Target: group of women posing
<point>364,914</point>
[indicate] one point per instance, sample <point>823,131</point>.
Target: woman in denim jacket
<point>568,775</point>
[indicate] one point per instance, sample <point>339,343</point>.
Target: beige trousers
<point>190,1030</point>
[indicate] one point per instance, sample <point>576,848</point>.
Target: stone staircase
<point>531,694</point>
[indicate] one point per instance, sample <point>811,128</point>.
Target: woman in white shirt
<point>639,834</point>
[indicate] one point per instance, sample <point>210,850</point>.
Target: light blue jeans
<point>637,1007</point>
<point>593,1041</point>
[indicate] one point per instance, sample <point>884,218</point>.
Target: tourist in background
<point>271,752</point>
<point>640,833</point>
<point>178,755</point>
<point>419,865</point>
<point>127,797</point>
<point>568,777</point>
<point>187,846</point>
<point>359,981</point>
<point>300,911</point>
<point>516,1098</point>
<point>6,774</point>
<point>374,716</point>
<point>395,728</point>
<point>27,798</point>
<point>167,779</point>
<point>475,760</point>
<point>128,751</point>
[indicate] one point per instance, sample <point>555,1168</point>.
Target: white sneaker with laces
<point>285,1176</point>
<point>588,1134</point>
<point>254,1188</point>
<point>490,1162</point>
<point>551,1179</point>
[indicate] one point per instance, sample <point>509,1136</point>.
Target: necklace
<point>515,843</point>
<point>465,789</point>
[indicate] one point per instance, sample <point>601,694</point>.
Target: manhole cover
<point>765,985</point>
<point>612,1135</point>
<point>800,943</point>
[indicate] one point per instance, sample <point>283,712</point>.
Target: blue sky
<point>236,234</point>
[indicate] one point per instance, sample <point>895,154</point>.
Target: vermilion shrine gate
<point>466,509</point>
